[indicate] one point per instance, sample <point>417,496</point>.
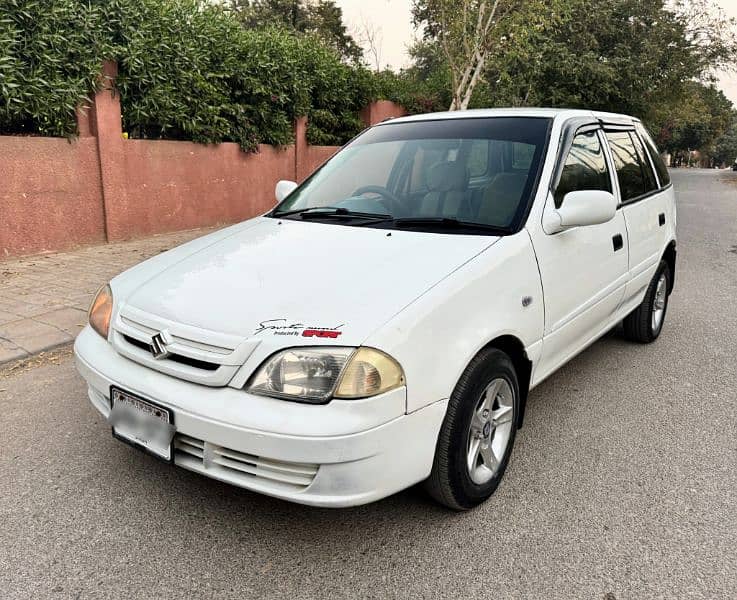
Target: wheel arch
<point>669,256</point>
<point>514,348</point>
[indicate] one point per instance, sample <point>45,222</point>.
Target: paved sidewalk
<point>44,299</point>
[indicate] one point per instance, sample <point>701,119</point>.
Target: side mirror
<point>579,209</point>
<point>284,188</point>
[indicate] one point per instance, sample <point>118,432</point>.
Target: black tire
<point>638,325</point>
<point>450,482</point>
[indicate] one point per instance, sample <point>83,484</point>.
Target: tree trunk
<point>472,84</point>
<point>456,101</point>
<point>458,89</point>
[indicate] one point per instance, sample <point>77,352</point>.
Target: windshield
<point>476,171</point>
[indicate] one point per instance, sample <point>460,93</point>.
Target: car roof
<point>550,113</point>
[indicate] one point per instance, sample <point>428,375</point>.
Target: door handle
<point>618,242</point>
<point>661,219</point>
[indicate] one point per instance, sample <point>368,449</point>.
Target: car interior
<point>471,180</point>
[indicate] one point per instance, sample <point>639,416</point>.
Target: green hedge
<point>187,70</point>
<point>49,60</point>
<point>417,94</point>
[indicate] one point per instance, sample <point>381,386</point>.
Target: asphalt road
<point>623,482</point>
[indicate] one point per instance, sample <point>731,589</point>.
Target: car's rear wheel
<point>645,323</point>
<point>478,432</point>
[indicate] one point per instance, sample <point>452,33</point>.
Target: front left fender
<point>498,293</point>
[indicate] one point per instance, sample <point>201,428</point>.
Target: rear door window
<point>660,168</point>
<point>631,173</point>
<point>651,183</point>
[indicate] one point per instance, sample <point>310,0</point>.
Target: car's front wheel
<point>645,323</point>
<point>478,432</point>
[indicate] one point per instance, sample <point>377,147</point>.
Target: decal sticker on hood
<point>284,327</point>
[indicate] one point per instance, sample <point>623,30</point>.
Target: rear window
<point>652,149</point>
<point>523,156</point>
<point>478,158</point>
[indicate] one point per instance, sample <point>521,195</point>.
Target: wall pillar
<point>301,164</point>
<point>379,111</point>
<point>106,124</point>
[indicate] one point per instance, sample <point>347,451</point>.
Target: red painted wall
<point>56,195</point>
<point>183,185</point>
<point>377,112</point>
<point>317,155</point>
<point>50,195</point>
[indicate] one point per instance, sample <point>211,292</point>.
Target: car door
<point>583,269</point>
<point>644,205</point>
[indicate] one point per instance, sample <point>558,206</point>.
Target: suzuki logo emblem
<point>159,345</point>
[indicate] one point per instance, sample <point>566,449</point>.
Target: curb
<point>32,355</point>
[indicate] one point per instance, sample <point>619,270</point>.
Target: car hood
<point>268,277</point>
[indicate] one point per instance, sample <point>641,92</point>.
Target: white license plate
<point>141,423</point>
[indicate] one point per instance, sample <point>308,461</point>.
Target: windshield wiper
<point>319,212</point>
<point>447,223</point>
<point>336,212</point>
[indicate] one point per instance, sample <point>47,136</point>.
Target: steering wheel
<point>387,200</point>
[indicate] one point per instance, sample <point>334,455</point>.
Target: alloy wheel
<point>659,302</point>
<point>490,431</point>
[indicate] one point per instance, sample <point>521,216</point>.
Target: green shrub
<point>187,70</point>
<point>337,95</point>
<point>49,61</point>
<point>415,93</point>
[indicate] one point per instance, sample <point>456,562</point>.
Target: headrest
<point>448,177</point>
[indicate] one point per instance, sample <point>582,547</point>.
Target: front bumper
<point>344,453</point>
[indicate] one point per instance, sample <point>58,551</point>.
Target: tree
<point>262,13</point>
<point>726,146</point>
<point>696,122</point>
<point>322,18</point>
<point>627,55</point>
<point>468,32</point>
<point>327,19</point>
<point>372,39</point>
<point>618,55</point>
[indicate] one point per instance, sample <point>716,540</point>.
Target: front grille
<point>177,358</point>
<point>240,467</point>
<point>194,354</point>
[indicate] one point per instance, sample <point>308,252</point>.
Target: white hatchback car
<point>383,325</point>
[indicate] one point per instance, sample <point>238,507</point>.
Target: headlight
<point>101,311</point>
<point>317,374</point>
